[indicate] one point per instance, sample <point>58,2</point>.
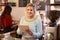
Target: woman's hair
<point>7,10</point>
<point>30,4</point>
<point>53,15</point>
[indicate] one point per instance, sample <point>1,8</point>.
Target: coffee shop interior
<point>47,10</point>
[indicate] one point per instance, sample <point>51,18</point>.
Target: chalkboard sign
<point>23,3</point>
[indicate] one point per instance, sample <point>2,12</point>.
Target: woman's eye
<point>30,10</point>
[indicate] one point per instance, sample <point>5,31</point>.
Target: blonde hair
<point>30,4</point>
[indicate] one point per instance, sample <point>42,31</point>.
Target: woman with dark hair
<point>6,19</point>
<point>53,16</point>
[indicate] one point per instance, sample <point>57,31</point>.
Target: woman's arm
<point>38,32</point>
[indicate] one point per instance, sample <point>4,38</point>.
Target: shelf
<point>9,3</point>
<point>54,4</point>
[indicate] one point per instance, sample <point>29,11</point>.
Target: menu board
<point>23,3</point>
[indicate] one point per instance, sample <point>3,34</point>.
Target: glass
<point>19,36</point>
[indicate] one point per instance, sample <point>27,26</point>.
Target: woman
<point>6,19</point>
<point>33,22</point>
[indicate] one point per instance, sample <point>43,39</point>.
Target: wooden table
<point>17,37</point>
<point>1,36</point>
<point>14,35</point>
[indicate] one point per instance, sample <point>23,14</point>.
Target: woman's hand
<point>29,32</point>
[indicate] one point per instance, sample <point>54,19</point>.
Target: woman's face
<point>30,11</point>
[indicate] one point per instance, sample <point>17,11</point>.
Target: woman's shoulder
<point>38,17</point>
<point>22,17</point>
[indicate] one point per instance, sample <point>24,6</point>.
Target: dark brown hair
<point>7,10</point>
<point>53,15</point>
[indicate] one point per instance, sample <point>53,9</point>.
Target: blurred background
<point>48,10</point>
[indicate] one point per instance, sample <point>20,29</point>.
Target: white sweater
<point>35,25</point>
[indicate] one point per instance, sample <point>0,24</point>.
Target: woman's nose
<point>29,11</point>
